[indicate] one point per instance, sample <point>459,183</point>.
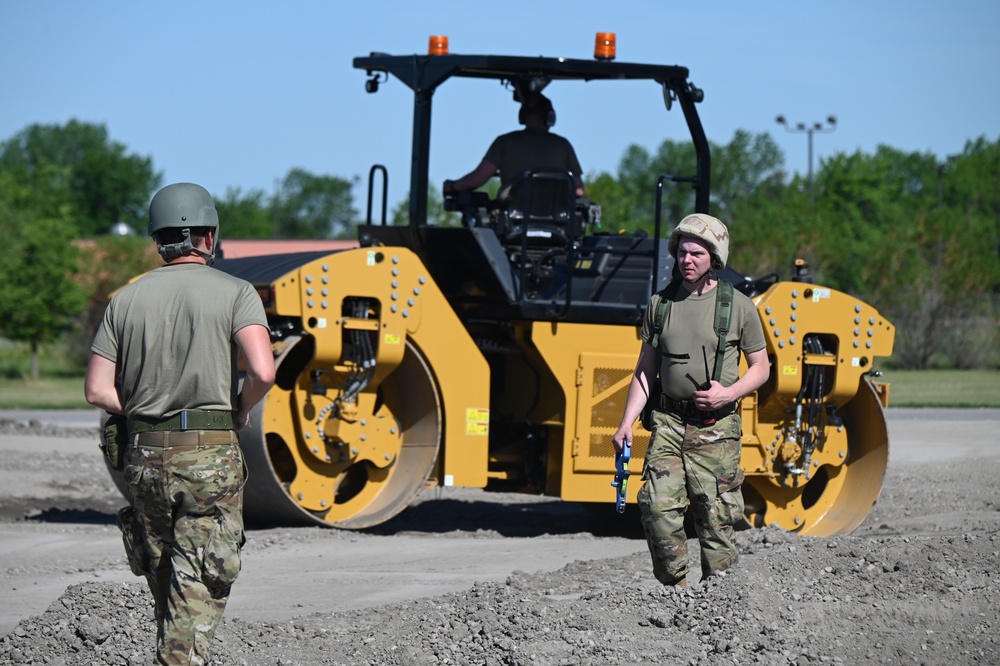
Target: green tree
<point>916,238</point>
<point>740,169</point>
<point>436,214</point>
<point>39,299</point>
<point>945,305</point>
<point>310,206</point>
<point>770,228</point>
<point>247,215</point>
<point>106,264</point>
<point>628,201</point>
<point>628,204</point>
<point>78,167</point>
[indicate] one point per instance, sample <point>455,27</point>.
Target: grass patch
<point>943,388</point>
<point>54,360</point>
<point>46,393</point>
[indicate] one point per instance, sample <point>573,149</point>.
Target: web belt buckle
<point>721,412</point>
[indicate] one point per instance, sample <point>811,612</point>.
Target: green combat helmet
<point>183,206</point>
<point>705,228</point>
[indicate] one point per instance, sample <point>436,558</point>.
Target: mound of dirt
<point>918,583</point>
<point>795,600</point>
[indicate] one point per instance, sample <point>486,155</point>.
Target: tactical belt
<point>190,419</point>
<point>688,410</point>
<point>190,439</point>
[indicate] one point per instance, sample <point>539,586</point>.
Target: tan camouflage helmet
<point>705,228</point>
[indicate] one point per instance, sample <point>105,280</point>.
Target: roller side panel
<point>380,392</point>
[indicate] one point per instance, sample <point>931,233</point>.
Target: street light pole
<point>809,130</point>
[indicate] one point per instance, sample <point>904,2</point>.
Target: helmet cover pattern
<point>710,230</point>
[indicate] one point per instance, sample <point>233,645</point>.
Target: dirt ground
<point>466,577</point>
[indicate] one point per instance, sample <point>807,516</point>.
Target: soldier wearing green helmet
<point>692,335</point>
<point>174,212</point>
<point>165,357</point>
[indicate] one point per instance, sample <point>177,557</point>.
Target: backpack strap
<point>667,296</point>
<point>723,318</point>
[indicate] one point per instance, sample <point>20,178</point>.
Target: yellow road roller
<point>497,353</point>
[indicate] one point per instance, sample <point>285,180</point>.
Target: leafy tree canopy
<point>305,206</point>
<point>311,206</point>
<point>629,199</point>
<point>76,172</point>
<point>436,214</point>
<point>39,299</point>
<point>244,215</point>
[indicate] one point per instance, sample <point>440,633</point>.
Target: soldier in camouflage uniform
<point>694,450</point>
<point>165,356</point>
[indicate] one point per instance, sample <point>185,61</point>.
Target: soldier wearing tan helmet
<point>165,357</point>
<point>693,459</point>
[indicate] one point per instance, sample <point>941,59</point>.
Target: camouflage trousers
<point>183,532</point>
<point>697,466</point>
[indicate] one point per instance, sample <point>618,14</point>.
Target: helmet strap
<point>209,258</point>
<point>700,277</point>
<point>185,247</point>
<point>704,280</point>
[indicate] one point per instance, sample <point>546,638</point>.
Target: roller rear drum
<point>314,462</point>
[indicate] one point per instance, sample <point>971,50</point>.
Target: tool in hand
<point>621,476</point>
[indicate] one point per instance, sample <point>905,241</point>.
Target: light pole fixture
<point>802,128</point>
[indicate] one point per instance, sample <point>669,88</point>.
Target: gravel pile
<point>36,428</point>
<point>917,583</point>
<point>791,600</point>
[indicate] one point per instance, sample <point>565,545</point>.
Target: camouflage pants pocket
<point>114,439</point>
<point>221,560</point>
<point>730,505</point>
<point>135,548</point>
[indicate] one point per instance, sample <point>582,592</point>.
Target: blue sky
<point>234,94</point>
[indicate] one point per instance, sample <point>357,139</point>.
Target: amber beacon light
<point>438,45</point>
<point>604,46</point>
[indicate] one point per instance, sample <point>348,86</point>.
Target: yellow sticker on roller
<point>477,422</point>
<point>391,339</point>
<point>790,370</point>
<point>477,429</point>
<point>472,414</point>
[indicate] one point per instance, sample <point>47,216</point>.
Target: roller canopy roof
<point>422,71</point>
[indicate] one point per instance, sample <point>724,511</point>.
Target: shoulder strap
<point>723,317</point>
<point>667,296</point>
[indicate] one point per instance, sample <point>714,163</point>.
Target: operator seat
<point>537,225</point>
<point>539,210</point>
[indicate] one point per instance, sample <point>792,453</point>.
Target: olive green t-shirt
<point>172,335</point>
<point>688,340</point>
<point>516,152</point>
